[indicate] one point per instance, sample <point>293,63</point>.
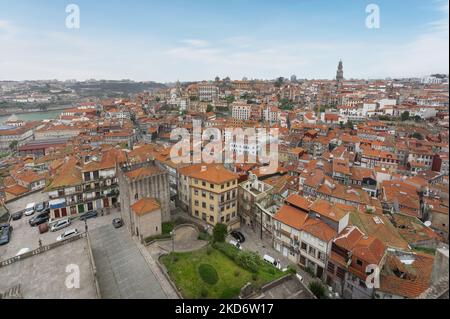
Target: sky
<point>191,40</point>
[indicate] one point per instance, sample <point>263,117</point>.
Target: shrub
<point>248,260</point>
<point>209,251</point>
<point>208,274</point>
<point>167,228</point>
<point>203,236</point>
<point>220,232</point>
<point>204,293</point>
<point>318,289</point>
<point>228,250</point>
<point>255,277</point>
<point>237,273</point>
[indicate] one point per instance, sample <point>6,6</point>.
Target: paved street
<point>123,272</point>
<point>25,236</point>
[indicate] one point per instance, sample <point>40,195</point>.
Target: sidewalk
<point>163,281</point>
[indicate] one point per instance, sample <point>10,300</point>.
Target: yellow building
<point>214,192</point>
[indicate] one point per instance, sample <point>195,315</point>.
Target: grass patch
<point>208,274</point>
<point>186,275</point>
<point>430,251</point>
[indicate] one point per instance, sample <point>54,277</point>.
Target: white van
<point>272,261</point>
<point>235,244</point>
<point>60,224</point>
<point>29,209</point>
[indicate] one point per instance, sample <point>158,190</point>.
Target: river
<point>32,116</point>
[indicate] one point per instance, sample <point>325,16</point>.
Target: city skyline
<point>164,42</point>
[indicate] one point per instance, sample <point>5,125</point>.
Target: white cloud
<point>35,54</point>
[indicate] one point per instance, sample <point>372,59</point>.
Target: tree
<point>13,145</point>
<point>220,232</point>
<point>350,125</point>
<point>230,99</point>
<point>209,108</point>
<point>417,135</point>
<point>318,289</point>
<point>405,116</point>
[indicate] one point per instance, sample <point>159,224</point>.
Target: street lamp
<point>172,234</point>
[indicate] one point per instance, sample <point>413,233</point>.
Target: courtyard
<point>209,273</point>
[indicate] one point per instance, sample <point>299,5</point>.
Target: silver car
<point>60,224</point>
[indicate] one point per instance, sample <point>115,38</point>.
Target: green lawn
<point>184,271</point>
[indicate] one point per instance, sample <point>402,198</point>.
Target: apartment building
<point>207,91</point>
<point>352,259</point>
<point>241,111</point>
<point>214,193</point>
<point>82,185</point>
<point>303,231</point>
<point>252,192</point>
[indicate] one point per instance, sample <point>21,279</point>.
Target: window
<point>204,217</point>
<point>228,218</point>
<point>203,194</point>
<point>330,267</point>
<point>312,251</point>
<point>136,196</point>
<point>196,213</point>
<point>196,203</point>
<point>303,246</point>
<point>203,183</point>
<point>211,196</point>
<point>196,192</point>
<point>222,219</point>
<point>359,262</point>
<point>340,273</point>
<point>211,208</point>
<point>211,218</point>
<point>203,205</point>
<point>211,186</point>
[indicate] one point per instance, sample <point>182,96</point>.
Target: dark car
<point>238,236</point>
<point>88,215</point>
<point>5,233</point>
<point>41,207</point>
<point>17,216</point>
<point>39,219</point>
<point>117,222</point>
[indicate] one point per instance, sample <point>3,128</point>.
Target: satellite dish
<point>427,223</point>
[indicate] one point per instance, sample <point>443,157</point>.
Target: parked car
<point>88,215</point>
<point>17,216</point>
<point>62,223</point>
<point>235,244</point>
<point>39,219</point>
<point>43,228</point>
<point>117,222</point>
<point>67,234</point>
<point>41,207</point>
<point>23,251</point>
<point>238,236</point>
<point>5,233</point>
<point>29,209</point>
<point>272,261</point>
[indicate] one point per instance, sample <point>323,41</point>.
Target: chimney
<point>203,169</point>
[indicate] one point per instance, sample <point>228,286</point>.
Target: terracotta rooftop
<point>145,205</point>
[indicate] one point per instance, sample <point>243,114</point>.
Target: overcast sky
<point>200,39</point>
